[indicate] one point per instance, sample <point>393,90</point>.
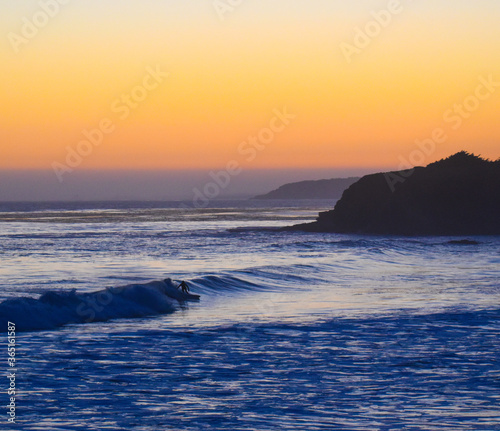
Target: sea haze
<point>109,185</point>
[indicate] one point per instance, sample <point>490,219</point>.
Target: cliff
<point>459,195</point>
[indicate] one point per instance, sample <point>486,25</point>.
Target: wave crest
<point>58,308</point>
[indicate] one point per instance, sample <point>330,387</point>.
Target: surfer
<point>183,286</point>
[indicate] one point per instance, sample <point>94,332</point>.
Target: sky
<point>302,88</point>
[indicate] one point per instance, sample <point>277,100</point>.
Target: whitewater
<point>280,330</point>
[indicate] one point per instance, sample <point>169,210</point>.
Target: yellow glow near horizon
<point>226,78</point>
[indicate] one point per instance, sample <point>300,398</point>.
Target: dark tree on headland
<point>459,195</point>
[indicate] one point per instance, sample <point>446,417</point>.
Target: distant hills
<point>459,195</point>
<point>319,189</point>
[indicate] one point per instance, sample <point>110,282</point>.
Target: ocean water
<point>292,331</point>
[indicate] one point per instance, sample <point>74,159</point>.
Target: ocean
<point>292,330</point>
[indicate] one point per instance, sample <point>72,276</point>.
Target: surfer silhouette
<point>183,286</point>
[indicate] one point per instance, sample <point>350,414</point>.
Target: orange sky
<point>226,77</point>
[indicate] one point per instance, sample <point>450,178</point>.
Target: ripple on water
<point>436,371</point>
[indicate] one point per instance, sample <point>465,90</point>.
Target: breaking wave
<point>58,308</point>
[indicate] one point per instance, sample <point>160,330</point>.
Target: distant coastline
<point>315,189</point>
